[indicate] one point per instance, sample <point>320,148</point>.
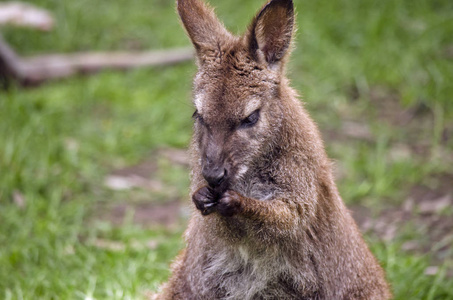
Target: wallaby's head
<point>238,87</point>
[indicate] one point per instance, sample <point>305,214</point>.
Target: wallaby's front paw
<point>229,203</point>
<point>205,200</point>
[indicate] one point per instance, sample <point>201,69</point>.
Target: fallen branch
<point>33,70</point>
<point>40,68</point>
<point>10,63</point>
<point>24,14</point>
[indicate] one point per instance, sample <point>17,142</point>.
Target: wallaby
<point>269,222</point>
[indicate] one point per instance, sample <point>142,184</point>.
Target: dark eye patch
<point>251,120</point>
<point>197,117</point>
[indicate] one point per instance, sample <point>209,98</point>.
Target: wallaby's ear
<point>270,33</point>
<point>202,25</point>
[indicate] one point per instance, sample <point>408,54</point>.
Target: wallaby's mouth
<point>220,189</point>
<point>214,175</point>
<point>221,185</point>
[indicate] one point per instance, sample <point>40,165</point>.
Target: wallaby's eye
<point>251,120</point>
<point>196,116</point>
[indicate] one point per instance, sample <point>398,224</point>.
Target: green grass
<point>58,141</point>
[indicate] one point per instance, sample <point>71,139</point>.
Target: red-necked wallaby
<point>269,223</point>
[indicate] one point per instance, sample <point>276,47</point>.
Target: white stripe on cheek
<point>198,101</point>
<point>251,106</point>
<point>242,170</point>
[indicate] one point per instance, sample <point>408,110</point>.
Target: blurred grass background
<point>375,75</point>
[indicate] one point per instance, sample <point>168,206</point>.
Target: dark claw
<point>208,208</point>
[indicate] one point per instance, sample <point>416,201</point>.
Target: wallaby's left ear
<point>202,25</point>
<point>271,30</point>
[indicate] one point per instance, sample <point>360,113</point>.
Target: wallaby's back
<point>269,223</point>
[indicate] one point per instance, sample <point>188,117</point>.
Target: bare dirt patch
<point>166,214</point>
<point>148,199</point>
<point>426,217</point>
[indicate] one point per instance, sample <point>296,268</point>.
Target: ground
<point>94,176</point>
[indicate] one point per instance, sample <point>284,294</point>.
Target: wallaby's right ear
<point>202,25</point>
<point>270,32</point>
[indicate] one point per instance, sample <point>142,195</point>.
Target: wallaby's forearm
<point>280,213</point>
<point>275,218</point>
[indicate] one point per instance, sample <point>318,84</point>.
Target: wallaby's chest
<point>239,274</point>
<point>257,188</point>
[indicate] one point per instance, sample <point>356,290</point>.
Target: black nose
<point>214,176</point>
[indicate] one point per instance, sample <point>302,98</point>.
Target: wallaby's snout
<point>214,173</point>
<point>214,169</point>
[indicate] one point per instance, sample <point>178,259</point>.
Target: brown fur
<point>275,227</point>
